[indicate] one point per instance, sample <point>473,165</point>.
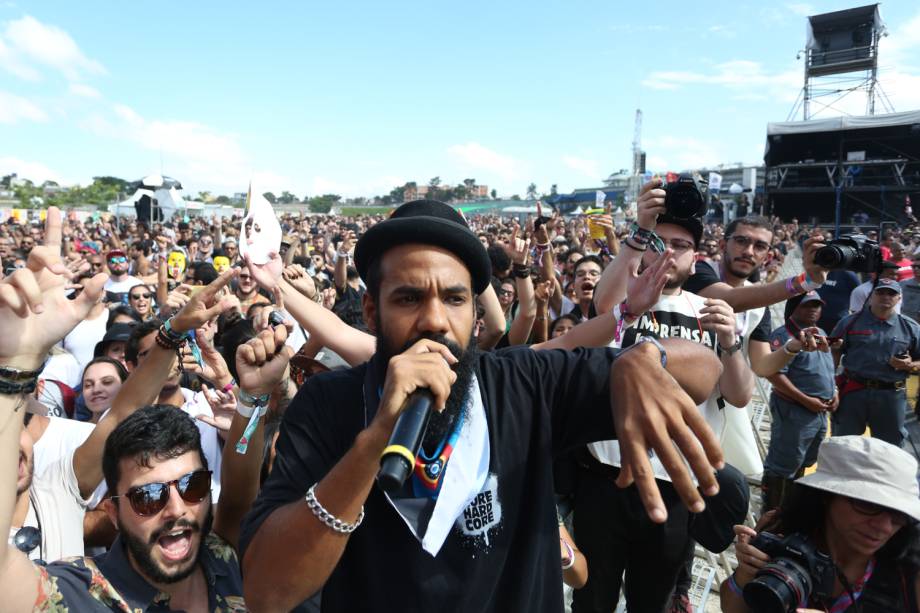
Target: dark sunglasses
<point>145,296</point>
<point>150,499</point>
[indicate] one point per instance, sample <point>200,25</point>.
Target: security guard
<point>879,348</point>
<point>803,392</point>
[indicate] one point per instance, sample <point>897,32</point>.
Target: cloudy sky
<point>356,97</point>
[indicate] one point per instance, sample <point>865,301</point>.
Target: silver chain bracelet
<point>328,518</point>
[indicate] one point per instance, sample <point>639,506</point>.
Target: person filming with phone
<point>804,391</point>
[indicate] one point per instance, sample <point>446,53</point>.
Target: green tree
<point>222,199</point>
<point>205,196</point>
<point>515,197</point>
<point>287,197</point>
<point>532,191</point>
<point>324,203</point>
<point>270,197</point>
<point>494,195</point>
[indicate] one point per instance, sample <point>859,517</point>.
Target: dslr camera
<point>796,572</point>
<point>685,197</point>
<point>855,252</point>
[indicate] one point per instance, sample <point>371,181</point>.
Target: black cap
<point>118,332</point>
<point>427,222</point>
<point>693,225</point>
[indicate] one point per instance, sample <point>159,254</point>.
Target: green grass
<point>349,211</point>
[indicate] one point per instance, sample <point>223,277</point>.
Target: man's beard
<point>30,471</point>
<point>736,273</point>
<point>676,279</point>
<point>141,552</point>
<point>440,423</point>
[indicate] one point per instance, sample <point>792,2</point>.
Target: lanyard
<point>846,599</point>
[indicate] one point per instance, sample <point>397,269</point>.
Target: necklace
<point>426,478</point>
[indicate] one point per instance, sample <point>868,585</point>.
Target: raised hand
<point>34,310</point>
<point>266,275</point>
<point>644,290</point>
<point>297,276</point>
<point>650,204</point>
<point>205,305</point>
<point>811,246</point>
<point>262,362</point>
<point>518,249</point>
<point>223,406</point>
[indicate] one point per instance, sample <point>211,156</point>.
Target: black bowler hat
<point>427,222</point>
<point>118,332</point>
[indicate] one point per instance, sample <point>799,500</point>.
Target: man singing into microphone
<point>474,527</point>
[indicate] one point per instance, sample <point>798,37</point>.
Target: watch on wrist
<point>642,340</point>
<point>733,349</point>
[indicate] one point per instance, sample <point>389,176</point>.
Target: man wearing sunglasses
<point>120,282</point>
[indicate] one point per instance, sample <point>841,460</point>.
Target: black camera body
<point>855,252</point>
<point>796,572</point>
<point>685,198</point>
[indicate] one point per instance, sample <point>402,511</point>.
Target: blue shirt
<point>869,342</point>
<point>811,372</point>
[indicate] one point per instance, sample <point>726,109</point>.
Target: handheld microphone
<point>398,458</point>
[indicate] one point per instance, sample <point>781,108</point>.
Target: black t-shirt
<point>764,328</point>
<point>348,306</point>
<point>502,554</point>
<point>704,276</point>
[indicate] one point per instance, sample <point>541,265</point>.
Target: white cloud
<point>15,108</point>
<point>34,171</point>
<point>27,42</point>
<point>586,167</point>
<point>479,157</point>
<point>84,91</point>
<point>737,75</point>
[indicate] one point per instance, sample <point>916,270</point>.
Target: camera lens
<point>835,257</point>
<point>684,199</point>
<point>780,586</point>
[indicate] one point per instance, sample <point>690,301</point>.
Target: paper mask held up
<point>260,235</point>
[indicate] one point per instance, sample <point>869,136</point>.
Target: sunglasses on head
<point>151,498</point>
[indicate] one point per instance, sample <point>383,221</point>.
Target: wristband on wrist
<point>520,271</point>
<point>643,340</point>
<point>571,555</point>
<point>14,374</point>
<point>18,387</point>
<point>640,249</point>
<point>788,351</point>
<point>253,407</point>
<point>733,585</point>
<point>229,386</point>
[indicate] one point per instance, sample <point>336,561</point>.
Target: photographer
<point>878,347</point>
<point>855,522</point>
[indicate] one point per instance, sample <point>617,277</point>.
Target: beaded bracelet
<point>571,554</point>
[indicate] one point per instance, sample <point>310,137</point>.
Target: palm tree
<point>532,191</point>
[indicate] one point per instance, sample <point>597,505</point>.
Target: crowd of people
<point>185,428</point>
